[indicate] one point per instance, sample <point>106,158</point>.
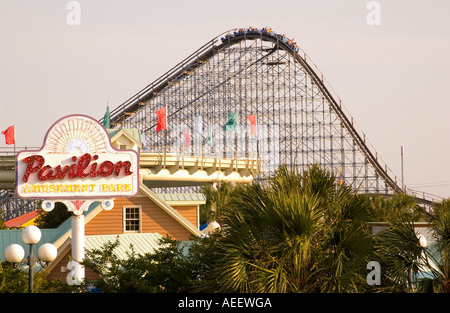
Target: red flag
<point>9,135</point>
<point>187,139</point>
<point>252,119</point>
<point>162,119</point>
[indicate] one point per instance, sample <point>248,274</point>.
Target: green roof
<point>182,196</point>
<point>142,243</point>
<point>10,236</point>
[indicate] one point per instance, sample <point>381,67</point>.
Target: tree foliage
<point>441,226</point>
<point>301,232</point>
<point>15,280</point>
<point>296,232</point>
<point>53,218</point>
<point>171,268</point>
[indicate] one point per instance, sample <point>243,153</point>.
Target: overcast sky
<point>393,77</point>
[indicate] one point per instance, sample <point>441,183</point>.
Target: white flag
<point>144,141</point>
<point>199,125</point>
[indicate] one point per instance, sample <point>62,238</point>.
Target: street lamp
<point>14,253</point>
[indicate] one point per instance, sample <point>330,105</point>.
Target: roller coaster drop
<point>300,119</point>
<point>257,72</point>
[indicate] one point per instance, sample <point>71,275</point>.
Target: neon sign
<point>77,161</point>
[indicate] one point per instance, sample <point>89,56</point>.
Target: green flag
<point>232,122</point>
<point>106,118</point>
<point>209,138</point>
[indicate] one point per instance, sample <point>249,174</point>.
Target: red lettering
<point>35,163</point>
<point>119,165</point>
<point>61,173</point>
<point>127,168</point>
<point>83,163</point>
<point>73,171</point>
<point>106,173</point>
<point>30,167</point>
<point>93,172</point>
<point>43,177</point>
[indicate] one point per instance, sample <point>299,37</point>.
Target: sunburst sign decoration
<point>77,161</point>
<point>76,134</point>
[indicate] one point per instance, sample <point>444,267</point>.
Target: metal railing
<point>4,151</point>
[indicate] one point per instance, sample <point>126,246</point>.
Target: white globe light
<point>14,253</point>
<point>423,241</point>
<point>212,226</point>
<point>47,252</point>
<point>31,235</point>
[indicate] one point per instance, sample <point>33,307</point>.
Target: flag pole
<point>201,139</point>
<point>165,147</point>
<point>182,158</point>
<point>15,193</point>
<point>257,150</point>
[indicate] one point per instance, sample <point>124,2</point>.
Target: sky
<point>392,76</point>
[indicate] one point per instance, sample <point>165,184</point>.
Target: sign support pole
<point>77,248</point>
<point>77,271</point>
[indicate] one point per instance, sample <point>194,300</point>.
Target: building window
<point>132,219</point>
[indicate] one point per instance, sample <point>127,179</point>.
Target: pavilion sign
<point>77,161</point>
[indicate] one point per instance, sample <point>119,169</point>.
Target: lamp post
<point>14,253</point>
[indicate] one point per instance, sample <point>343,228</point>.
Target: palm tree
<point>298,232</point>
<point>218,198</point>
<point>305,232</point>
<point>440,220</point>
<point>402,258</point>
<point>395,207</point>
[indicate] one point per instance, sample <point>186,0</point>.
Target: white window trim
<point>125,207</point>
